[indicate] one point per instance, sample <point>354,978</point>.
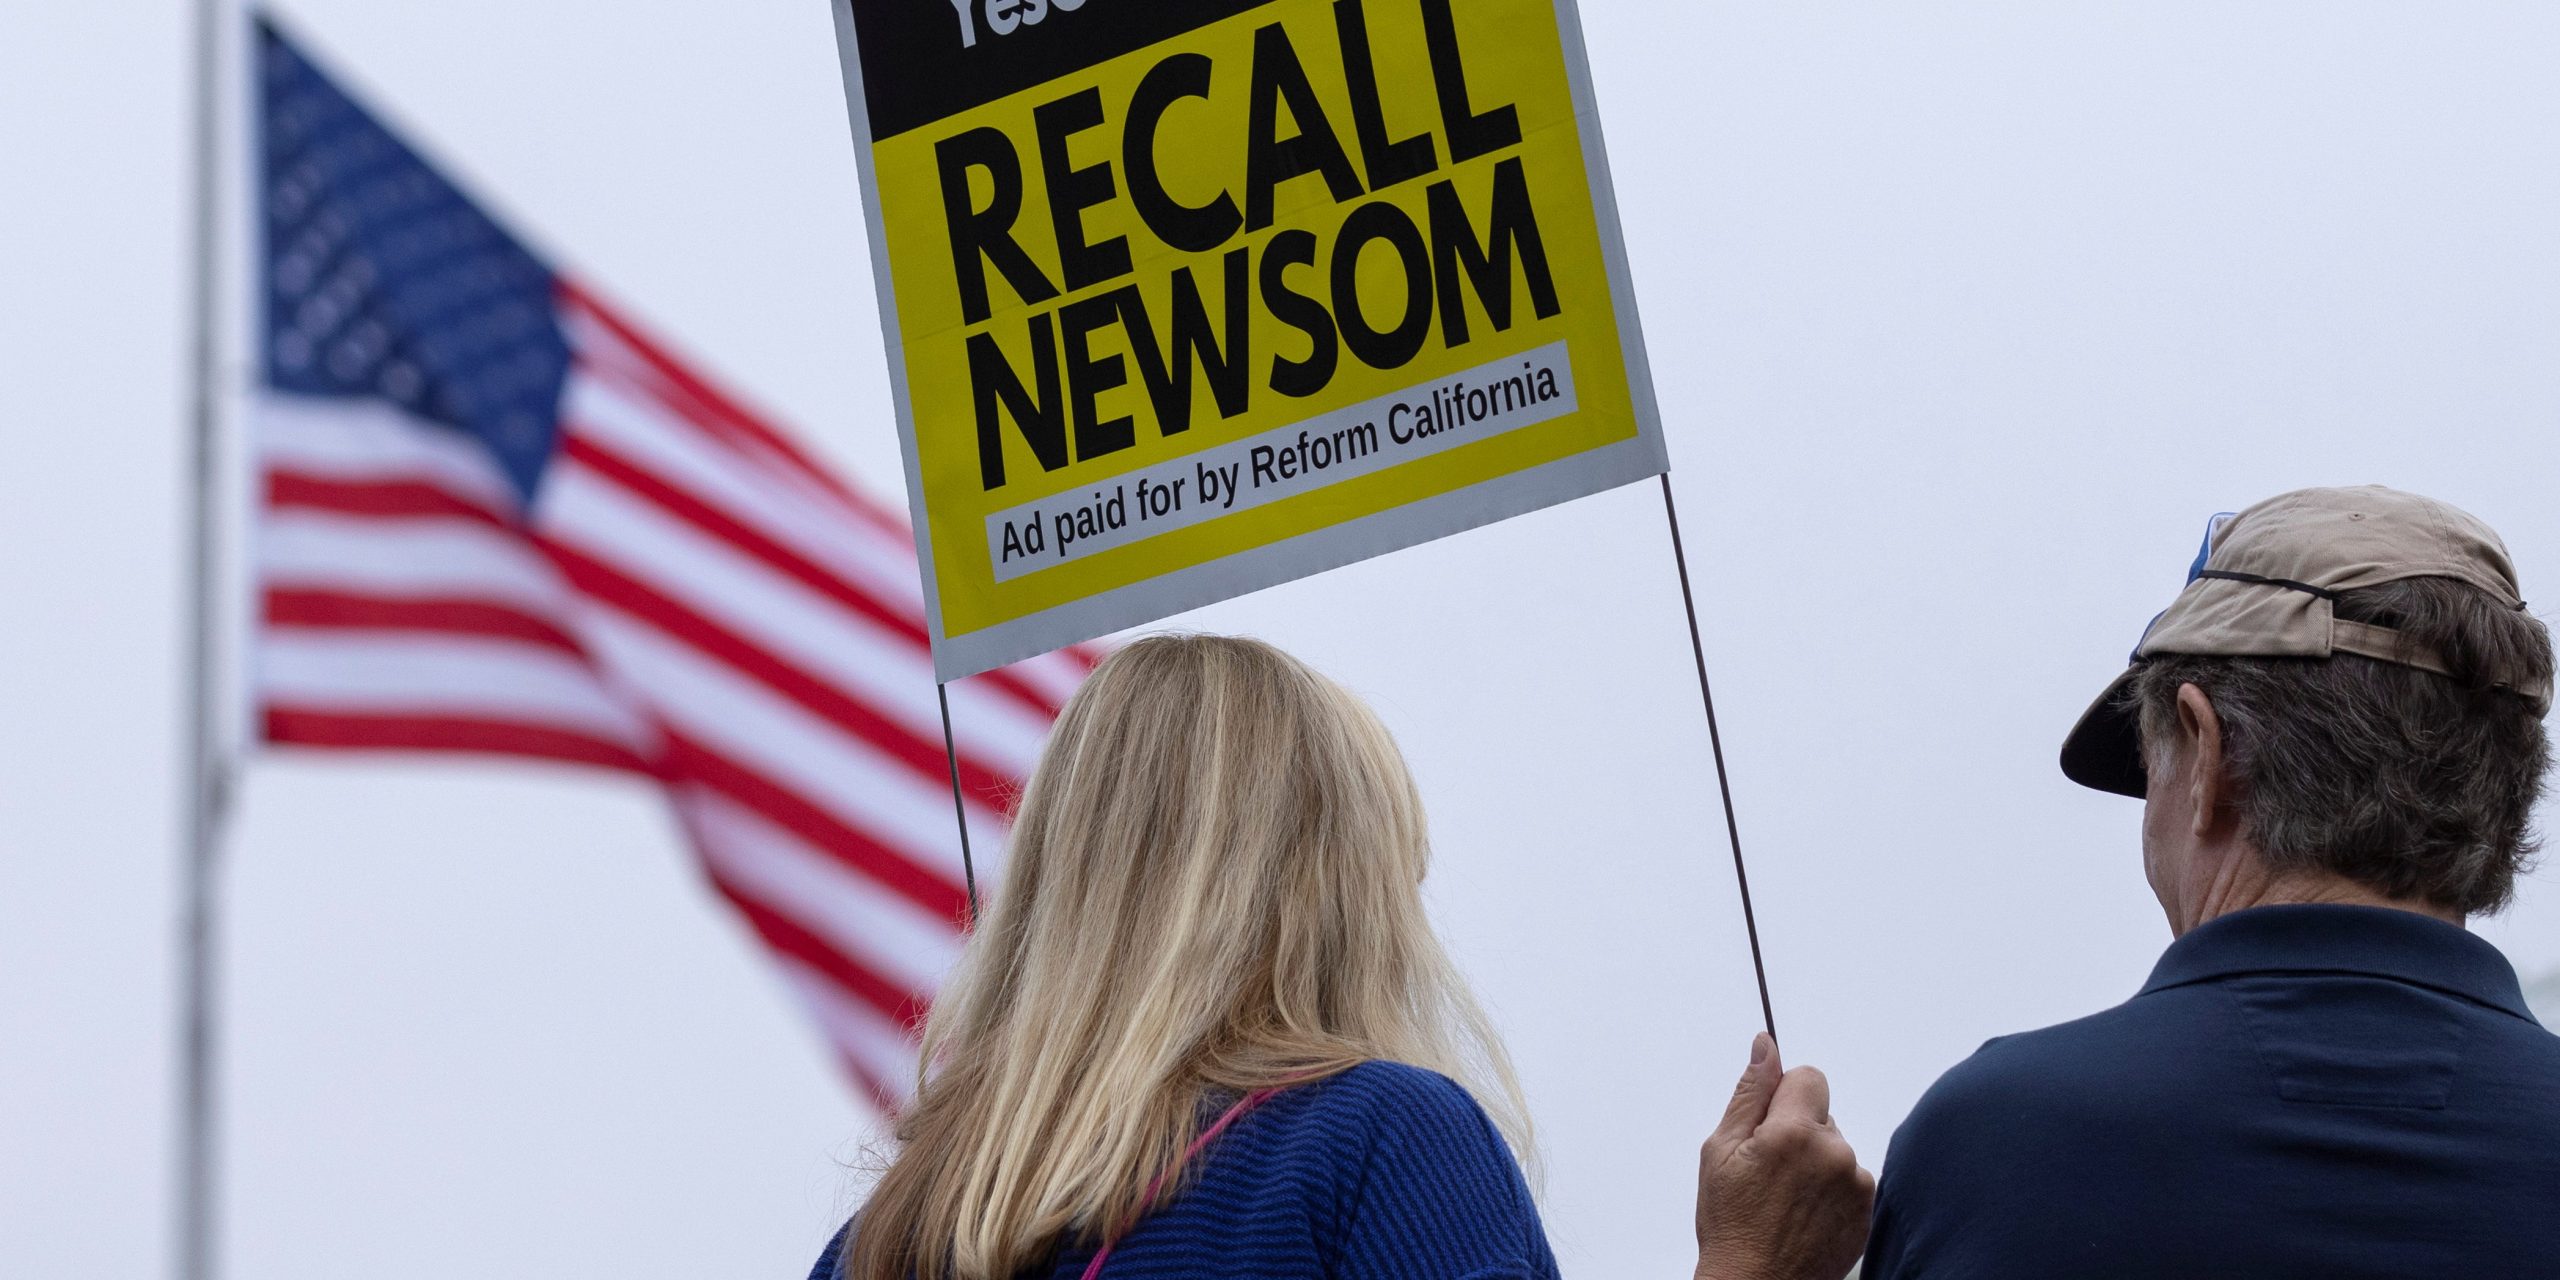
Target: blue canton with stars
<point>384,281</point>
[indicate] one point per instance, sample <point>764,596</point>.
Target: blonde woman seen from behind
<point>1205,1027</point>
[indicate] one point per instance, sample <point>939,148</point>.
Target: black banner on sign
<point>923,60</point>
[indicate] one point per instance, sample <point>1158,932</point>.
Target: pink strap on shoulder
<point>1247,1103</point>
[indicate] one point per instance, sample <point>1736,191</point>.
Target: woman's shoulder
<point>1394,1104</point>
<point>1423,1173</point>
<point>1397,1086</point>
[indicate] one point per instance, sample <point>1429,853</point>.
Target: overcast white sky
<point>1964,316</point>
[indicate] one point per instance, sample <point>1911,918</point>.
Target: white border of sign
<point>1332,547</point>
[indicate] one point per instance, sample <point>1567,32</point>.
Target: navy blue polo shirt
<point>2313,1091</point>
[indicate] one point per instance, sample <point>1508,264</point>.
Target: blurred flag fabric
<point>498,518</point>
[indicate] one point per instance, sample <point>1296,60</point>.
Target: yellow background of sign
<point>1513,55</point>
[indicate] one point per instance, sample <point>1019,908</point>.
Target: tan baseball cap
<point>2263,585</point>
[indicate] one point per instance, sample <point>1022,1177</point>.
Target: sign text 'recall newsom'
<point>1034,369</point>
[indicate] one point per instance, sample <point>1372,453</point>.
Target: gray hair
<point>2410,783</point>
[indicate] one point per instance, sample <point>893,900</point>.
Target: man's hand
<point>1780,1194</point>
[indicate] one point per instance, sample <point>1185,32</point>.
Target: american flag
<point>496,517</point>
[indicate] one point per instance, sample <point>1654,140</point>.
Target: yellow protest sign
<point>1190,297</point>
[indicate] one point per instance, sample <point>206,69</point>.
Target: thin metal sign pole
<point>959,806</point>
<point>198,1239</point>
<point>1715,742</point>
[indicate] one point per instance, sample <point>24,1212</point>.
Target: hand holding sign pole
<point>1189,299</point>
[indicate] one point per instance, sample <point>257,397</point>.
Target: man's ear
<point>2201,729</point>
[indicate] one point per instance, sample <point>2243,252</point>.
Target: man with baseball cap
<point>2336,733</point>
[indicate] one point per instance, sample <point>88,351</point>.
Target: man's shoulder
<point>2009,1154</point>
<point>2224,1105</point>
<point>2112,1041</point>
<point>2122,1066</point>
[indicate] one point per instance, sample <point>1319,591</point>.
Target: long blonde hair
<point>1214,887</point>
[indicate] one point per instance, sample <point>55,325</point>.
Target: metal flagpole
<point>202,788</point>
<point>1715,742</point>
<point>959,805</point>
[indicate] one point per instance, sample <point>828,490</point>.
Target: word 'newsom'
<point>1051,384</point>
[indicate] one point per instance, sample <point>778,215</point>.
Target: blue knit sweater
<point>1385,1172</point>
